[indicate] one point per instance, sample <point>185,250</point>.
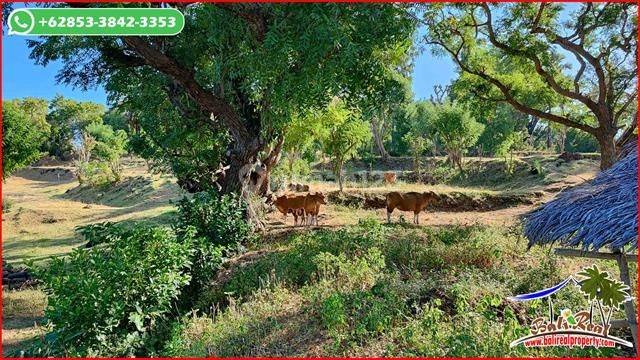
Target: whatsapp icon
<point>21,22</point>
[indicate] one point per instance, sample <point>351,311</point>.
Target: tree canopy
<point>602,38</point>
<point>24,129</point>
<point>242,69</point>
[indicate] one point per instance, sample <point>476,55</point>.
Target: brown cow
<point>390,177</point>
<point>312,207</point>
<point>411,201</point>
<point>291,204</point>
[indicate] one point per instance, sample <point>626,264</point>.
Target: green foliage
<point>401,290</point>
<point>95,174</point>
<point>118,121</point>
<point>68,118</point>
<point>180,140</point>
<point>100,233</point>
<point>512,142</point>
<point>579,141</point>
<point>217,225</point>
<point>358,316</point>
<point>457,130</point>
<point>300,139</point>
<point>109,145</point>
<point>24,129</point>
<point>107,301</point>
<point>516,54</point>
<point>7,204</point>
<point>102,148</point>
<point>344,132</point>
<point>600,287</point>
<point>299,57</point>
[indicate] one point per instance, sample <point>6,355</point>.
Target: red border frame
<point>637,295</point>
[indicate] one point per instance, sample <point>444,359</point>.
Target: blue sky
<point>21,77</point>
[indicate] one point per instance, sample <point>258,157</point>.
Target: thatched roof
<point>603,212</point>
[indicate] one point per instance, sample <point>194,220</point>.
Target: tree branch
<point>185,77</point>
<point>511,100</point>
<point>548,78</point>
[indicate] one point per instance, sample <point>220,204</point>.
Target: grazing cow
<point>390,177</point>
<point>291,204</point>
<point>411,201</point>
<point>312,207</point>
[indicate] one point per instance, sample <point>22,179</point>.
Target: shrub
<point>106,301</point>
<point>220,219</point>
<point>95,173</point>
<point>99,233</point>
<point>357,316</point>
<point>218,228</point>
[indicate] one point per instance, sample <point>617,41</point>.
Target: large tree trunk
<point>269,162</point>
<point>606,139</point>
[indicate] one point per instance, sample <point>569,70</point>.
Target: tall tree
<point>247,67</point>
<point>24,129</point>
<point>457,130</point>
<point>343,133</point>
<point>602,38</point>
<point>68,118</point>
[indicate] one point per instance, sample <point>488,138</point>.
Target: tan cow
<point>411,201</point>
<point>390,177</point>
<point>312,207</point>
<point>291,204</point>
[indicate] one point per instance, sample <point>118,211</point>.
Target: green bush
<point>218,228</point>
<point>355,317</point>
<point>99,233</point>
<point>107,301</point>
<point>220,219</point>
<point>95,173</point>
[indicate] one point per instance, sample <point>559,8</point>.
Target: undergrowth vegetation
<point>376,290</point>
<point>118,295</point>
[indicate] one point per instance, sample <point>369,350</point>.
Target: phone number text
<point>109,22</point>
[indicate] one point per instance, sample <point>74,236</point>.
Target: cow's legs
<point>389,215</point>
<point>415,218</point>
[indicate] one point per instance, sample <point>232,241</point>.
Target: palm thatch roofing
<point>603,212</point>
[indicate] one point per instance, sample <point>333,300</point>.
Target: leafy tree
<point>344,132</point>
<point>300,136</point>
<point>110,145</point>
<point>68,118</point>
<point>168,129</point>
<point>101,151</point>
<point>119,121</point>
<point>381,113</point>
<point>421,133</point>
<point>417,145</point>
<point>246,68</point>
<point>24,129</point>
<point>457,130</point>
<point>510,143</point>
<point>601,37</point>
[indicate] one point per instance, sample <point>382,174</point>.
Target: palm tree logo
<point>605,293</point>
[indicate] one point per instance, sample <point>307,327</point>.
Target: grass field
<point>379,290</point>
<point>293,293</point>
